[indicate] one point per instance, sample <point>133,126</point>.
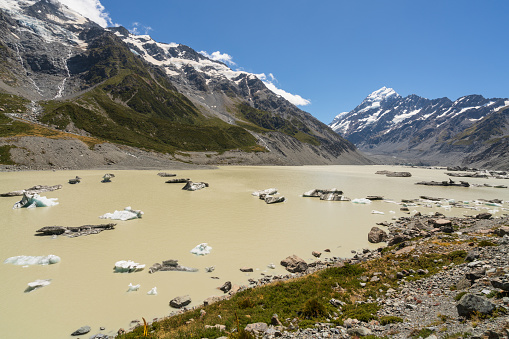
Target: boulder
<point>194,186</point>
<point>268,191</point>
<point>226,287</point>
<point>471,303</point>
<point>256,328</point>
<point>483,216</point>
<point>377,235</point>
<point>176,181</point>
<point>164,174</point>
<point>439,223</point>
<point>502,231</point>
<point>316,254</point>
<point>80,331</point>
<point>180,302</point>
<point>170,265</point>
<point>294,264</point>
<point>501,283</point>
<point>270,199</point>
<point>246,269</point>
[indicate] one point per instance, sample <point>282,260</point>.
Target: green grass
<point>5,156</point>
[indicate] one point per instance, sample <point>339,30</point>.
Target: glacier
<point>23,260</point>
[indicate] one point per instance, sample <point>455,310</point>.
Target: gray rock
<point>471,303</point>
<point>82,330</point>
<point>226,287</point>
<point>463,284</point>
<point>359,331</point>
<point>502,284</point>
<point>377,235</point>
<point>181,301</point>
<point>246,269</point>
<point>270,199</point>
<point>256,328</point>
<point>294,264</point>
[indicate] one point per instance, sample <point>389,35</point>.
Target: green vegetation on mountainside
<point>262,121</point>
<point>484,131</point>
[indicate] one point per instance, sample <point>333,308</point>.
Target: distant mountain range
<point>471,131</point>
<point>66,72</point>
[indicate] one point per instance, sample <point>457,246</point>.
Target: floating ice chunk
<point>126,214</point>
<point>37,284</point>
<point>376,212</point>
<point>201,249</point>
<point>361,201</point>
<point>210,269</point>
<point>392,212</point>
<point>493,204</point>
<point>132,287</point>
<point>153,291</point>
<point>268,191</point>
<point>128,266</point>
<point>34,200</point>
<point>271,266</point>
<point>33,260</point>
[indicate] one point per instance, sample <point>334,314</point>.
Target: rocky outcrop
<point>470,304</point>
<point>194,186</point>
<point>32,190</point>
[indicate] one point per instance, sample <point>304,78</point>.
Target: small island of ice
<point>201,249</point>
<point>34,200</point>
<point>128,266</point>
<point>126,214</point>
<point>23,260</point>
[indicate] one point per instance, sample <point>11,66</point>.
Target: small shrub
<point>313,309</point>
<point>484,243</point>
<point>459,295</point>
<point>390,319</point>
<point>423,333</point>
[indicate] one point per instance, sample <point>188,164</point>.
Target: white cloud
<point>218,56</point>
<point>293,98</point>
<point>139,29</point>
<point>91,9</point>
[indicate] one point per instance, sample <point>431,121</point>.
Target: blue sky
<point>334,53</point>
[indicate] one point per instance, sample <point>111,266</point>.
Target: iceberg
<point>376,212</point>
<point>127,214</point>
<point>34,200</point>
<point>128,266</point>
<point>361,201</point>
<point>153,291</point>
<point>37,284</point>
<point>23,260</point>
<point>107,177</point>
<point>268,191</point>
<point>132,287</point>
<point>201,249</point>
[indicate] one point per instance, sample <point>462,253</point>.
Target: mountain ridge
<point>129,89</point>
<point>417,130</point>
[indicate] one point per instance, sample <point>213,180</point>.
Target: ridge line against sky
<point>334,53</point>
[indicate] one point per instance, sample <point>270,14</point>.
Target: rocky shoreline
<point>427,304</point>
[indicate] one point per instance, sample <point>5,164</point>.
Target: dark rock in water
<point>107,177</point>
<point>470,304</point>
<point>194,186</point>
<point>334,196</point>
<point>246,269</point>
<point>394,174</point>
<point>37,189</point>
<point>317,193</point>
<point>377,235</point>
<point>170,265</point>
<point>176,181</point>
<point>81,331</point>
<point>76,180</point>
<point>226,287</point>
<point>316,254</point>
<point>294,264</point>
<point>375,197</point>
<point>444,183</point>
<point>270,199</point>
<point>180,302</point>
<point>73,232</point>
<point>164,174</point>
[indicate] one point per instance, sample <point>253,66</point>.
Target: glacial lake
<point>242,230</point>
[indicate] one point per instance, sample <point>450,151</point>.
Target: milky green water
<point>241,229</point>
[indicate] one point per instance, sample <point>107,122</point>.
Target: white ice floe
<point>201,249</point>
<point>128,266</point>
<point>23,260</point>
<point>132,287</point>
<point>271,266</point>
<point>34,200</point>
<point>153,291</point>
<point>361,201</point>
<point>126,214</point>
<point>37,284</point>
<point>268,191</point>
<point>376,212</point>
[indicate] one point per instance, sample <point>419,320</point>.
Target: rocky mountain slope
<point>471,131</point>
<point>63,71</point>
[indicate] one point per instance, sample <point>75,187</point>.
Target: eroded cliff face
<point>74,76</point>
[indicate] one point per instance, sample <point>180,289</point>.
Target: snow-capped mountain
<point>416,129</point>
<point>130,89</point>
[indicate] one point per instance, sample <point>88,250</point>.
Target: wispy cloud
<point>91,9</point>
<point>139,29</point>
<point>270,81</point>
<point>218,56</point>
